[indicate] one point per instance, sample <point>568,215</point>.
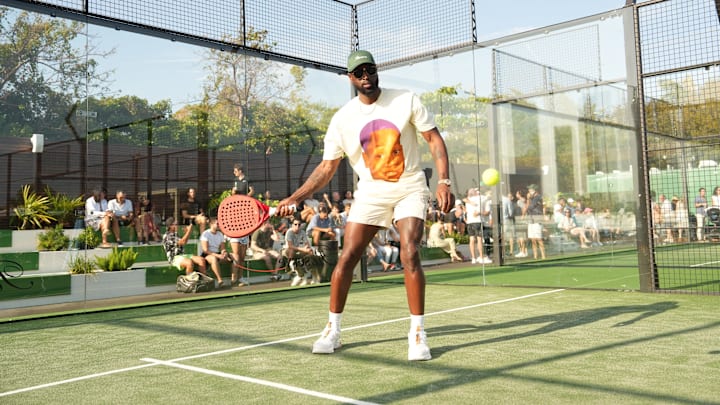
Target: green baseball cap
<point>358,58</point>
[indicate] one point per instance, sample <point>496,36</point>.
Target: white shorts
<point>178,259</point>
<point>383,214</point>
<point>94,223</point>
<point>243,241</point>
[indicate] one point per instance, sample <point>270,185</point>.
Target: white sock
<point>334,320</point>
<point>417,321</point>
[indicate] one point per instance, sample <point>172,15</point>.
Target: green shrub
<point>81,264</point>
<point>460,239</point>
<point>33,211</point>
<point>53,239</point>
<point>62,207</point>
<point>87,239</point>
<point>117,260</point>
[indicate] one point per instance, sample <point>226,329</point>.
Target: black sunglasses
<point>358,73</point>
<point>296,224</point>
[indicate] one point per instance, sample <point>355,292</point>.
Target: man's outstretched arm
<point>318,179</point>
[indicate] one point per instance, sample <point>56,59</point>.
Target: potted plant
<point>63,208</point>
<point>53,239</point>
<point>117,260</point>
<point>33,212</point>
<point>81,264</point>
<point>87,239</point>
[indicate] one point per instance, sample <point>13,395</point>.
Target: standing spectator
<point>175,249</point>
<point>473,220</point>
<point>193,211</point>
<point>716,197</point>
<point>241,185</point>
<point>487,224</point>
<point>701,204</point>
<point>212,248</point>
<point>459,217</point>
<point>668,217</point>
<point>238,246</point>
<point>534,212</point>
<point>123,214</point>
<point>98,216</point>
<point>682,220</point>
<point>521,223</point>
<point>508,221</point>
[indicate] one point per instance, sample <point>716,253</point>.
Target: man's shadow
<point>548,323</point>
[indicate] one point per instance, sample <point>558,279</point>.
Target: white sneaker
<point>474,260</point>
<point>485,260</point>
<point>296,281</point>
<point>304,281</point>
<point>417,346</point>
<point>329,341</point>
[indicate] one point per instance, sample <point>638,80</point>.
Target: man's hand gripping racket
<point>240,215</point>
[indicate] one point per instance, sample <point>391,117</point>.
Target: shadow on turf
<point>550,323</point>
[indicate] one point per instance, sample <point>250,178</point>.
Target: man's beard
<point>369,91</point>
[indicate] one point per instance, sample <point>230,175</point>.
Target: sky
<point>181,63</point>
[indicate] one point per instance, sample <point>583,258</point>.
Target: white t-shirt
<point>120,210</point>
<point>214,240</point>
<point>381,143</point>
<point>95,209</point>
<point>473,210</point>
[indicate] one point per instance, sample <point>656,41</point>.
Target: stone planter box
<point>99,285</point>
<point>26,240</point>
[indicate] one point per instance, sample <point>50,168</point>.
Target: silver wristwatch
<point>446,182</point>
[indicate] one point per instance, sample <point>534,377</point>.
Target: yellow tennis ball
<point>490,177</point>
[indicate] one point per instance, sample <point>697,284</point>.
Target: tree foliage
<point>42,71</point>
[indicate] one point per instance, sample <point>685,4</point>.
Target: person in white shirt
<point>715,198</point>
<point>377,132</point>
<point>123,214</point>
<point>98,216</point>
<point>212,248</point>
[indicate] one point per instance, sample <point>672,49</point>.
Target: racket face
<point>240,215</point>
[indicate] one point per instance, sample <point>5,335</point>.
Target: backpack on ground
<point>195,282</point>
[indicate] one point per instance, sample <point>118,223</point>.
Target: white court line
<point>704,264</point>
<point>72,380</point>
<point>156,362</point>
<point>285,387</point>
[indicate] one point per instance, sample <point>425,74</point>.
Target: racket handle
<point>273,209</point>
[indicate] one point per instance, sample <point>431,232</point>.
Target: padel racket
<point>240,215</point>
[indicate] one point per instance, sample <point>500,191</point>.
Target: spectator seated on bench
<point>123,214</point>
<point>567,224</point>
<point>321,226</point>
<point>297,250</point>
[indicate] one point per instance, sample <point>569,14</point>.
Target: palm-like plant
<point>63,207</point>
<point>34,210</point>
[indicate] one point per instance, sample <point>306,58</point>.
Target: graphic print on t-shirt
<point>382,151</point>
